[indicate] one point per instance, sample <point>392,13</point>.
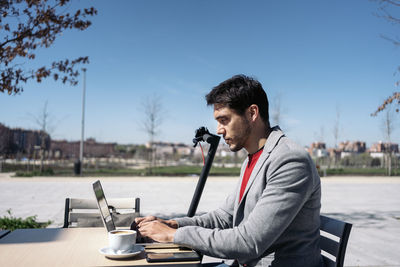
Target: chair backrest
<point>334,237</point>
<point>80,212</point>
<point>4,232</point>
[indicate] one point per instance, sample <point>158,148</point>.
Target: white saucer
<point>110,253</point>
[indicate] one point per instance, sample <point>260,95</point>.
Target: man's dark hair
<point>239,93</point>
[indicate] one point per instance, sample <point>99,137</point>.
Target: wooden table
<point>67,247</point>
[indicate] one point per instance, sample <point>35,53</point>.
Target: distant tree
<point>359,160</point>
<point>386,12</point>
<point>121,149</point>
<point>140,152</point>
<point>336,131</point>
<point>152,120</point>
<point>375,162</point>
<point>321,137</point>
<point>44,123</point>
<point>276,114</point>
<point>388,126</point>
<point>336,126</point>
<point>28,25</point>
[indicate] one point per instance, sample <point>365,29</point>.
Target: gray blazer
<point>279,213</point>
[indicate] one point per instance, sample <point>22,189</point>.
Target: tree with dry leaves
<point>28,25</point>
<point>392,99</point>
<point>387,8</point>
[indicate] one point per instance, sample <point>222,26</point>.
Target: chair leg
<point>66,213</point>
<point>137,205</point>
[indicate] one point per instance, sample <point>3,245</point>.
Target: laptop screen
<point>103,206</point>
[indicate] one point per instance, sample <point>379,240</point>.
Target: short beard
<point>236,148</point>
<point>245,132</point>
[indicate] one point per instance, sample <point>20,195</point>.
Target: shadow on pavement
<point>373,219</point>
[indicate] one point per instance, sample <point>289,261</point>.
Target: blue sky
<point>314,56</point>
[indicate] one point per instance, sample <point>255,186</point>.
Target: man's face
<point>234,128</point>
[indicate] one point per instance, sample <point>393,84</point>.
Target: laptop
<point>103,206</point>
<point>108,221</point>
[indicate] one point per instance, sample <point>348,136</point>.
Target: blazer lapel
<point>270,144</point>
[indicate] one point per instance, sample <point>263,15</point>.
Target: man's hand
<point>157,230</point>
<point>140,220</point>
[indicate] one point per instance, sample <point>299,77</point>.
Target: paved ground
<point>371,204</point>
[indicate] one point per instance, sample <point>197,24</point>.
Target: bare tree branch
<point>153,116</point>
<point>392,2</point>
<point>388,126</point>
<point>336,126</point>
<point>152,120</point>
<point>276,115</point>
<point>43,121</point>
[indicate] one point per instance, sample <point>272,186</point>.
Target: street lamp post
<point>83,122</point>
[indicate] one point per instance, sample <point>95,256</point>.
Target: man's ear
<point>253,112</point>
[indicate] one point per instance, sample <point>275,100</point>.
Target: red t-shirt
<point>249,169</point>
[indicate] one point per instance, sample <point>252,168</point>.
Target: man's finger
<point>147,219</point>
<point>139,219</point>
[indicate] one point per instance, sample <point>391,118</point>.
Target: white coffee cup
<point>121,241</point>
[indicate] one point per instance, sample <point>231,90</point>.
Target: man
<point>276,205</point>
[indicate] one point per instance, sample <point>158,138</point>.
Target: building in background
<point>349,148</point>
<point>18,143</point>
<point>21,143</point>
<point>63,149</point>
<point>318,150</point>
<point>378,150</point>
<point>4,140</point>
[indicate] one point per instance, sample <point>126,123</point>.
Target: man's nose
<point>220,130</point>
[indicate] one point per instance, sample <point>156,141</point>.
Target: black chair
<point>4,232</point>
<point>85,213</point>
<point>334,237</point>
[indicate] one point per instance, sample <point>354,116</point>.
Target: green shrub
<point>164,171</point>
<point>23,174</point>
<point>46,172</point>
<point>362,171</point>
<point>11,223</point>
